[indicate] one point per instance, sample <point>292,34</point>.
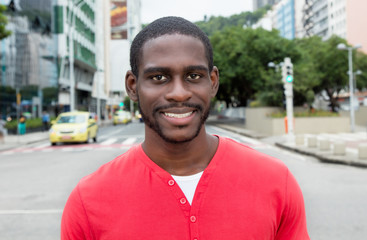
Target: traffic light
<point>287,71</point>
<point>121,104</point>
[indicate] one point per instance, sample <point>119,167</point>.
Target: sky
<point>192,10</point>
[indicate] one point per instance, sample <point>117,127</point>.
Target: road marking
<point>28,151</point>
<point>129,141</point>
<point>251,141</point>
<point>47,150</point>
<point>33,211</point>
<point>43,145</point>
<point>8,153</point>
<point>67,149</point>
<point>109,141</point>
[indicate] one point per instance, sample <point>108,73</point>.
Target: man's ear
<point>214,78</point>
<point>130,85</point>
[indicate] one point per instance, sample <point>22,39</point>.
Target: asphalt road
<point>36,180</point>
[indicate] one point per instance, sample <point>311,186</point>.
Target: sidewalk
<point>351,141</point>
<point>13,141</point>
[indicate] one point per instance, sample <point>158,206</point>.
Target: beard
<point>154,125</point>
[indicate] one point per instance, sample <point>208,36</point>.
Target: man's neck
<point>181,158</point>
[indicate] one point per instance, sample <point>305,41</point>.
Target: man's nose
<point>178,90</point>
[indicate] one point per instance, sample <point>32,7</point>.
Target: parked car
<point>73,127</point>
<point>123,117</point>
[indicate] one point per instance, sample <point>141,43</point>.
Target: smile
<point>178,115</point>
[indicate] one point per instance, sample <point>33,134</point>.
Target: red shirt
<point>242,194</point>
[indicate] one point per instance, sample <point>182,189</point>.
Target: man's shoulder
<point>112,171</point>
<point>247,156</point>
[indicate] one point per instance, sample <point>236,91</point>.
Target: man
<point>182,183</point>
<point>45,120</point>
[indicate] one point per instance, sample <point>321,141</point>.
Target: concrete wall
<point>316,125</point>
<point>259,120</point>
<point>361,116</point>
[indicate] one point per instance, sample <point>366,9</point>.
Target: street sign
<point>19,98</point>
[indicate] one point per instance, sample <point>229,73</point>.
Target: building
<point>74,28</point>
<point>324,18</point>
<point>284,18</point>
<point>261,3</point>
<point>125,23</point>
<point>42,5</point>
<point>347,19</point>
<point>320,18</point>
<point>26,58</point>
<point>343,18</point>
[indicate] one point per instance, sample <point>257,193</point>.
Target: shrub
<point>30,123</point>
<point>314,113</point>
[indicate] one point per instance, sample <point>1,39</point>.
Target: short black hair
<point>163,26</point>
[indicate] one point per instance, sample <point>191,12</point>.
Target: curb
<point>327,157</point>
<point>241,131</point>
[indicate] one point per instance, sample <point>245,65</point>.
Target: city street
<point>36,179</point>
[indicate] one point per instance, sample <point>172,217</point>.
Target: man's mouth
<point>178,115</point>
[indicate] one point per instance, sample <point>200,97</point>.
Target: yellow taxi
<point>123,117</point>
<point>73,127</point>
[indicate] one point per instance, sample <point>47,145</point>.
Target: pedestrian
<point>181,182</point>
<point>45,121</point>
<point>22,125</point>
<point>3,130</point>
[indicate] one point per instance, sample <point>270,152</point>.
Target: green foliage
<point>7,95</point>
<point>30,123</point>
<point>314,113</point>
<point>29,91</point>
<point>242,57</point>
<point>323,67</point>
<point>127,104</point>
<point>50,94</point>
<point>3,21</point>
<point>215,24</point>
<point>361,64</point>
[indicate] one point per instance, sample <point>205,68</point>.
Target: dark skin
<point>174,89</point>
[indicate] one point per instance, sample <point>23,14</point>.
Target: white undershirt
<point>188,184</point>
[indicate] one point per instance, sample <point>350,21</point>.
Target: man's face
<point>174,87</point>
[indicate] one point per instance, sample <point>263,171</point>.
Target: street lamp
<point>342,46</point>
<point>276,66</point>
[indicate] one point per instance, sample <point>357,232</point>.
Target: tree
<point>50,95</point>
<point>242,56</point>
<point>327,67</point>
<point>215,24</point>
<point>361,64</point>
<point>3,21</point>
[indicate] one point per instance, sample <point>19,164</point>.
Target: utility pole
<point>287,78</point>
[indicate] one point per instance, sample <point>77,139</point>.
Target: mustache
<point>177,105</point>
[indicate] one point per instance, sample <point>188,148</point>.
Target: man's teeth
<point>176,115</point>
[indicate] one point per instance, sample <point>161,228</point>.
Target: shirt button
<point>193,219</point>
<point>183,200</point>
<point>195,239</point>
<point>171,182</point>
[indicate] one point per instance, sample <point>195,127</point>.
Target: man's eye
<point>194,76</point>
<point>159,78</point>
